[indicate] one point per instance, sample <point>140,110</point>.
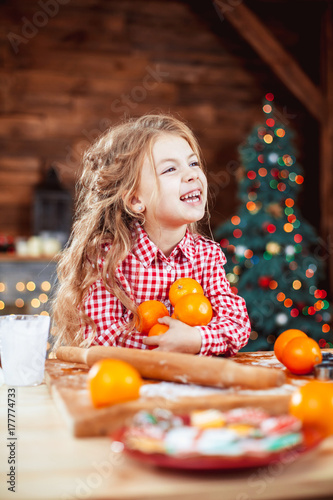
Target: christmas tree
<point>272,253</point>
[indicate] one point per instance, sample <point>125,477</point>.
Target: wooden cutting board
<point>67,383</point>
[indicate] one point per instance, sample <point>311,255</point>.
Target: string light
<point>31,286</point>
<point>289,202</point>
<point>271,228</point>
<point>20,287</point>
<point>288,227</point>
<point>35,303</point>
<point>253,335</point>
<point>284,174</point>
<point>43,298</point>
<point>297,284</point>
<point>268,138</point>
<point>273,157</point>
<point>251,175</point>
<point>237,233</point>
<point>267,108</point>
<point>288,160</point>
<point>2,287</point>
<point>237,270</point>
<point>2,305</point>
<point>280,132</point>
<point>235,220</point>
<point>46,286</point>
<point>251,206</point>
<point>262,172</point>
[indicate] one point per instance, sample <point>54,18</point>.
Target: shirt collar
<point>145,250</point>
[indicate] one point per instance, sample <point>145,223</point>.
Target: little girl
<point>141,193</point>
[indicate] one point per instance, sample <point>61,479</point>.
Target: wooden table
<point>52,465</point>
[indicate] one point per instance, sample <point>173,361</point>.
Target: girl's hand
<point>179,338</point>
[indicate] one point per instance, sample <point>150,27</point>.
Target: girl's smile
<point>192,197</point>
<point>173,191</point>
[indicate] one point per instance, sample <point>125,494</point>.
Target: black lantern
<point>52,208</point>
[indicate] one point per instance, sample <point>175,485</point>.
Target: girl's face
<point>181,192</point>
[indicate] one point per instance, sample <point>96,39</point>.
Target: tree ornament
<point>240,173</point>
<point>290,250</point>
<point>281,319</point>
<point>239,250</point>
<point>275,210</point>
<point>273,248</point>
<point>264,281</point>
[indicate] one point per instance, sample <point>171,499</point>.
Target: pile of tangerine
<point>298,352</point>
<point>190,306</point>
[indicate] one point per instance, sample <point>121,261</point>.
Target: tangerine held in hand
<point>156,330</point>
<point>301,354</point>
<point>283,339</point>
<point>194,309</point>
<point>313,405</point>
<point>149,312</point>
<point>183,286</point>
<point>112,381</point>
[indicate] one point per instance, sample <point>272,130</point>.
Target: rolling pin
<point>178,367</point>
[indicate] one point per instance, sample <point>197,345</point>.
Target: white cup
<point>23,348</point>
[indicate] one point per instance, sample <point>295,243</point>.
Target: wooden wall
<point>70,72</point>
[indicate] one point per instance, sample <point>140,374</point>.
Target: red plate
<point>202,462</point>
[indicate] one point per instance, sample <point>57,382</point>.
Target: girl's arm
<point>230,327</point>
<point>110,319</point>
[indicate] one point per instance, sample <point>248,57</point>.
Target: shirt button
<point>169,268</point>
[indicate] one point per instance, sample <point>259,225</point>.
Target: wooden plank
<point>17,163</point>
<point>25,178</point>
<point>22,125</point>
<point>326,140</point>
<point>278,59</point>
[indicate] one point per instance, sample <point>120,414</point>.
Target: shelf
<point>20,258</point>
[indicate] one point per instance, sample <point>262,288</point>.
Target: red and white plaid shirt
<point>147,274</point>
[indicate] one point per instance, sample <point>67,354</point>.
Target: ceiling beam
<point>326,140</point>
<point>272,52</point>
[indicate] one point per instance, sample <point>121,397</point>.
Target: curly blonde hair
<point>110,177</point>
